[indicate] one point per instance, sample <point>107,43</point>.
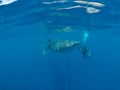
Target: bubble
<point>85,36</point>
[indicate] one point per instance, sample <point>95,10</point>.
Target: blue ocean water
<point>25,28</point>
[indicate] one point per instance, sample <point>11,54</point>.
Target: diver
<point>85,51</point>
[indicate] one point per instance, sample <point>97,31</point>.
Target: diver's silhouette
<point>86,53</point>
